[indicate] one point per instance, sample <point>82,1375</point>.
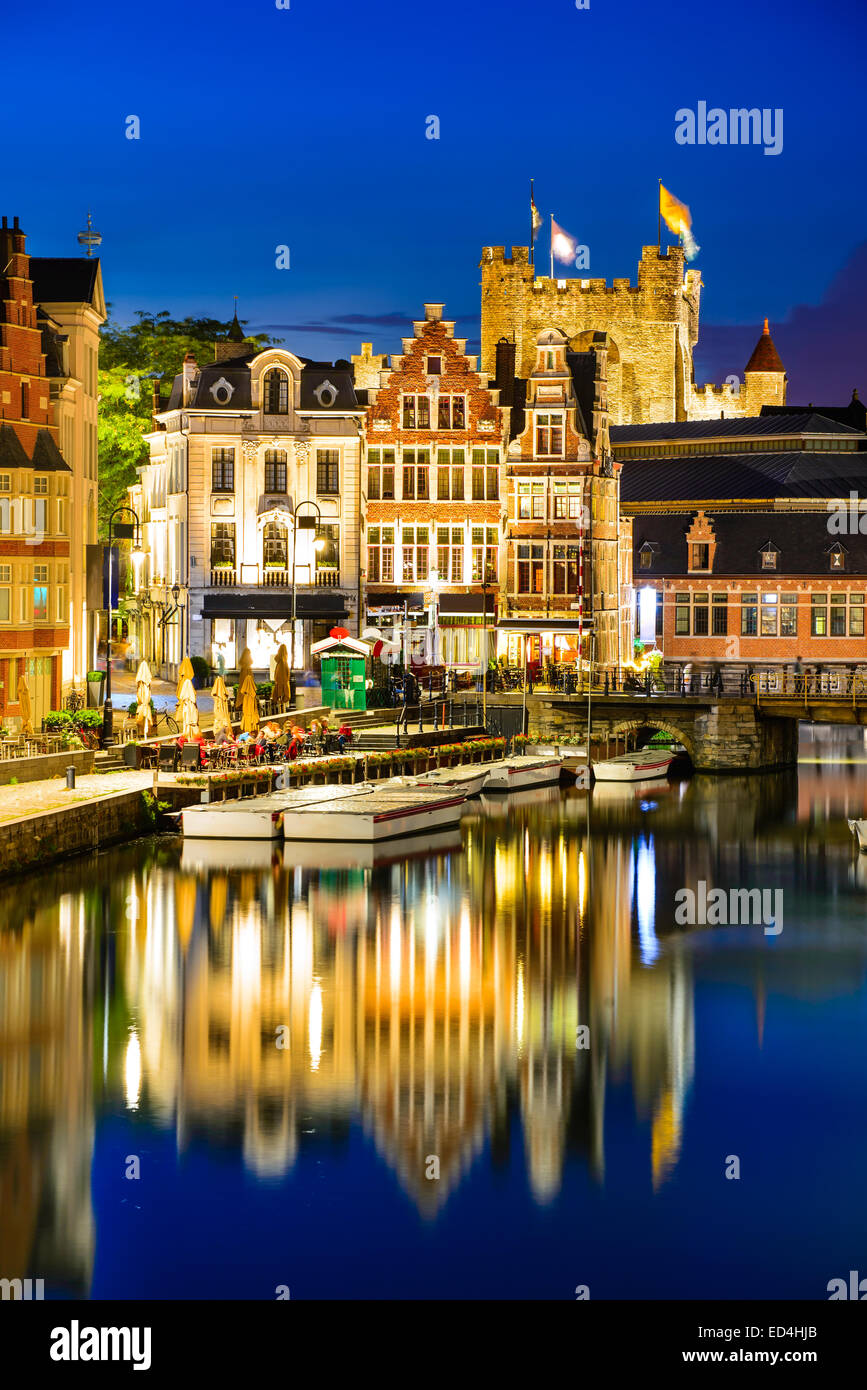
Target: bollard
<point>70,778</point>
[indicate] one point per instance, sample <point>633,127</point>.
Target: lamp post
<point>303,523</point>
<point>125,530</point>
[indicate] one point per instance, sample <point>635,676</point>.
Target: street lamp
<point>124,530</point>
<point>304,523</point>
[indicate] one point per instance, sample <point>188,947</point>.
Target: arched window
<point>274,542</point>
<point>276,392</point>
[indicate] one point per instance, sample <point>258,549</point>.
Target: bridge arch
<point>656,725</point>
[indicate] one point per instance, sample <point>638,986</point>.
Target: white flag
<point>563,247</point>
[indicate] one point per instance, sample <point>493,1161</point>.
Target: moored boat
<point>638,766</point>
<point>469,780</point>
<point>523,771</point>
<point>382,813</point>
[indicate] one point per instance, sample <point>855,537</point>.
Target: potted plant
<point>95,688</point>
<point>201,672</point>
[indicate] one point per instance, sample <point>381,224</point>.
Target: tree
<point>131,357</point>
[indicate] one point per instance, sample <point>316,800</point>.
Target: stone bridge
<point>721,734</point>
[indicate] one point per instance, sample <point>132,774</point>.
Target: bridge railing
<point>716,681</point>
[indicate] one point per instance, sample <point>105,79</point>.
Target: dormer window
<point>837,557</point>
<point>769,559</point>
<point>275,392</point>
<point>699,555</point>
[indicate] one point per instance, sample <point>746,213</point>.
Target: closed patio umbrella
<point>188,710</point>
<point>185,673</point>
<point>249,705</point>
<point>26,708</point>
<point>282,688</point>
<point>220,694</point>
<point>143,680</point>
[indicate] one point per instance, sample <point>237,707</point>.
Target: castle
<point>652,329</point>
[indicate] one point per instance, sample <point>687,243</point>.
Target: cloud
<point>823,346</point>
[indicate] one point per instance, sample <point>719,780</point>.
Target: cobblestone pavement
<point>52,795</point>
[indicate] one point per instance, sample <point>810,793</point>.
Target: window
<point>222,544</point>
<point>25,400</point>
<point>770,615</point>
<point>700,615</point>
<point>789,615</point>
<point>40,602</point>
<point>275,470</point>
<point>485,545</point>
<point>769,559</point>
<point>380,475</point>
<point>567,500</point>
<point>5,482</point>
<point>699,556</point>
<point>565,565</point>
<point>856,615</point>
<point>450,554</point>
<point>327,471</point>
<point>486,475</point>
<point>40,487</point>
<point>62,616</point>
<point>450,475</point>
<point>531,501</point>
<point>837,557</point>
<point>450,412</point>
<point>328,559</point>
<point>416,540</point>
<point>549,436</point>
<point>645,557</point>
<point>749,615</point>
<point>819,616</point>
<point>434,366</point>
<point>380,554</point>
<point>415,474</point>
<point>720,615</point>
<point>40,574</point>
<point>275,392</point>
<point>531,569</point>
<point>5,605</point>
<point>838,615</point>
<point>275,545</point>
<point>416,413</point>
<point>222,470</point>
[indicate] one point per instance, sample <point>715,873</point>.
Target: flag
<point>535,217</point>
<point>677,219</point>
<point>563,247</point>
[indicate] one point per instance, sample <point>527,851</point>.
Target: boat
<point>470,780</point>
<point>859,830</point>
<point>379,813</point>
<point>522,772</point>
<point>256,819</point>
<point>638,766</point>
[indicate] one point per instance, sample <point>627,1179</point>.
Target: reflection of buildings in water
<point>46,1105</point>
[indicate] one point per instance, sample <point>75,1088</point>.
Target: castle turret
<point>764,375</point>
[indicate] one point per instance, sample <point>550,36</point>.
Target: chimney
<point>504,372</point>
<point>190,371</point>
<point>433,312</point>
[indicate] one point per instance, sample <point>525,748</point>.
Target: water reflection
<point>432,994</point>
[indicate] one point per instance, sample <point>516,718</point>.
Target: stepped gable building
<point>435,438</point>
<point>250,501</point>
<point>70,311</point>
<point>34,498</point>
<point>749,538</point>
<point>567,563</point>
<point>652,327</point>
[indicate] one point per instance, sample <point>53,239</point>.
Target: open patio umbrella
<point>26,708</point>
<point>185,673</point>
<point>143,680</point>
<point>282,687</point>
<point>249,705</point>
<point>220,694</point>
<point>188,710</point>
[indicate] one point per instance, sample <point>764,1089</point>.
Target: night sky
<point>306,127</point>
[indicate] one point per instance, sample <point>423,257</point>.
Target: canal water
<point>492,1065</point>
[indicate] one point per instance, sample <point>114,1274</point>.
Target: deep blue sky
<point>306,127</point>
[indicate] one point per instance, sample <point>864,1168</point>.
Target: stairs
<point>109,759</point>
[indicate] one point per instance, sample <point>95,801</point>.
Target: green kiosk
<point>343,665</point>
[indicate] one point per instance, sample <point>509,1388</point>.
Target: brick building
<point>750,547</point>
<point>566,570</point>
<point>652,328</point>
<point>433,503</point>
<point>34,498</point>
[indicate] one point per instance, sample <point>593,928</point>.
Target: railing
<point>276,578</point>
<point>327,578</point>
<point>439,714</point>
<point>223,578</point>
<point>716,682</point>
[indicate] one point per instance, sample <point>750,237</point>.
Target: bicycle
<point>172,726</point>
<point>74,701</point>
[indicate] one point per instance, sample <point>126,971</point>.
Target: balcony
<point>327,577</point>
<point>273,577</point>
<point>224,577</point>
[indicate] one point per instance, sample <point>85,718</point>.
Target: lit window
<point>275,393</point>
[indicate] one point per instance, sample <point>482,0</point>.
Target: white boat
<point>470,780</point>
<point>638,766</point>
<point>522,771</point>
<point>256,819</point>
<point>379,813</point>
<point>859,830</point>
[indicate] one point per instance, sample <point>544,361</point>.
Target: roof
<point>46,455</point>
<point>326,388</point>
<point>719,477</point>
<point>765,357</point>
<point>800,538</point>
<point>804,422</point>
<point>64,279</point>
<point>227,386</point>
<point>12,454</point>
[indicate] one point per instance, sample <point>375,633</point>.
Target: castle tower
<point>652,326</point>
<point>764,376</point>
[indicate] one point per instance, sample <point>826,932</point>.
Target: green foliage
<point>200,667</point>
<point>129,357</point>
<point>96,675</point>
<point>264,689</point>
<point>68,720</point>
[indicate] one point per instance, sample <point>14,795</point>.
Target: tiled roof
<point>718,477</point>
<point>46,455</point>
<point>765,357</point>
<point>12,454</point>
<point>802,540</point>
<point>806,422</point>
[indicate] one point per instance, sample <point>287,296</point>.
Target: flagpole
<point>659,216</point>
<point>532,228</point>
<point>552,246</point>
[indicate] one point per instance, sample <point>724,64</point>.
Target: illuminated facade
<point>243,449</point>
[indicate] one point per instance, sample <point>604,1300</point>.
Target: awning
<point>531,625</point>
<point>274,605</point>
<point>393,601</point>
<point>467,605</point>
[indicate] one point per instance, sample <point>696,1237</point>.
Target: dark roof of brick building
<point>801,539</point>
<point>63,279</point>
<point>12,454</point>
<point>718,477</point>
<point>749,426</point>
<point>46,455</point>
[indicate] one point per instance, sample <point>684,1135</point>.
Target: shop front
<point>546,645</point>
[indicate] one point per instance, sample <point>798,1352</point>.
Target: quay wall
<point>46,765</point>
